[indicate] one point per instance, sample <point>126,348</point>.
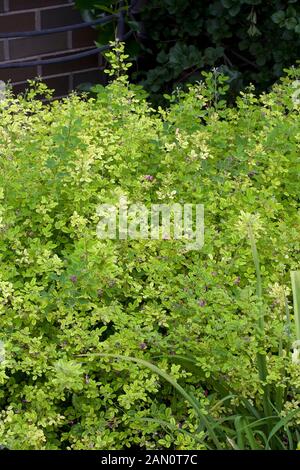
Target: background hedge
<point>174,40</point>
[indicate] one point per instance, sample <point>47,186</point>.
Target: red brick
<point>28,47</point>
<point>2,57</point>
<point>75,65</point>
<point>30,4</point>
<point>20,88</point>
<point>84,37</point>
<point>18,75</point>
<point>56,17</point>
<point>17,22</point>
<point>59,84</point>
<point>92,76</point>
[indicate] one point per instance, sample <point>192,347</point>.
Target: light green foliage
<point>65,293</point>
<point>117,61</point>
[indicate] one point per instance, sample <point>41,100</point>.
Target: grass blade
<point>295,277</point>
<point>238,424</point>
<point>261,357</point>
<point>187,396</point>
<point>282,423</point>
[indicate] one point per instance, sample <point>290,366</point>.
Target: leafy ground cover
<point>108,344</point>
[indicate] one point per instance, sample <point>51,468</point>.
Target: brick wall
<point>30,15</point>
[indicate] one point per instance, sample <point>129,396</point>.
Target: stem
<point>259,292</point>
<point>288,322</point>
<point>295,276</point>
<point>261,357</point>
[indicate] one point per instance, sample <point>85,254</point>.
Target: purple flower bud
<point>202,303</point>
<point>149,177</point>
<point>73,279</point>
<point>237,280</point>
<point>143,346</point>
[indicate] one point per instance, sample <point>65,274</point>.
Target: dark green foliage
<point>251,40</point>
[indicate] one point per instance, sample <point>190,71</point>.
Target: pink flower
<point>149,177</point>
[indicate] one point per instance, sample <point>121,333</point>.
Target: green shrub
<point>65,293</point>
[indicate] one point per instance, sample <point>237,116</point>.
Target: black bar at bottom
<point>134,459</point>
